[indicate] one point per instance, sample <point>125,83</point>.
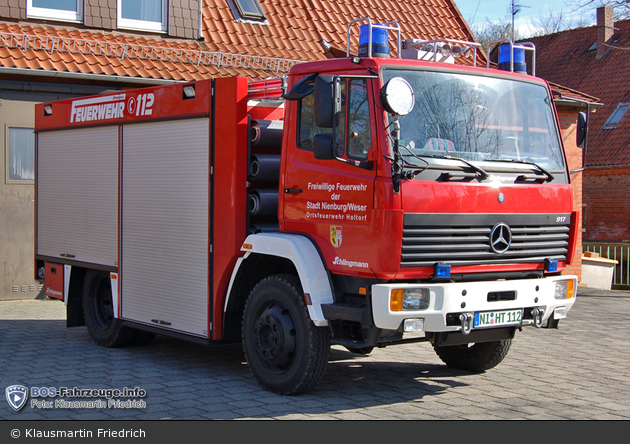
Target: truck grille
<point>465,239</point>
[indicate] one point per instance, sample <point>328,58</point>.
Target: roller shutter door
<point>77,195</point>
<point>165,252</point>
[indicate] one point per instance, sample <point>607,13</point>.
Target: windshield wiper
<point>478,170</point>
<point>550,176</point>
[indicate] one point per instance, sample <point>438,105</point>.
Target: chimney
<point>605,30</point>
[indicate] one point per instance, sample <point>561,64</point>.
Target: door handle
<point>292,190</point>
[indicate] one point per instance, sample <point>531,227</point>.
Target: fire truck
<point>388,197</point>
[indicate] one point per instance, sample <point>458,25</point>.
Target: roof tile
<point>293,31</point>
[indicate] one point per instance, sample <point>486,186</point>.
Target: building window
<point>247,11</point>
<point>250,9</point>
<point>143,15</point>
<point>65,10</point>
<point>616,116</point>
<point>20,155</point>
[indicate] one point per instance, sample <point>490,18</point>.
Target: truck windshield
<point>479,119</point>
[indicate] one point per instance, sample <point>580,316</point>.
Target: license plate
<point>497,318</point>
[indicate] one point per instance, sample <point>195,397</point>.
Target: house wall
<point>607,204</point>
<point>183,18</point>
<point>13,9</point>
<point>100,14</point>
<point>16,214</point>
<point>568,124</point>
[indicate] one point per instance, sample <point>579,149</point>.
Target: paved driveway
<point>579,371</point>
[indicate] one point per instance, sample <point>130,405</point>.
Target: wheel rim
<point>101,307</point>
<point>274,337</point>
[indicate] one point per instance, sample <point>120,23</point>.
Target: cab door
<point>331,200</point>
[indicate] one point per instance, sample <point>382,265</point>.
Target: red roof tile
<point>565,58</point>
<point>294,31</point>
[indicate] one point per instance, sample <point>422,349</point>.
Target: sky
<point>476,11</point>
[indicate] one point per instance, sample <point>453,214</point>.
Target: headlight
<point>397,97</point>
<point>410,299</point>
<point>564,289</point>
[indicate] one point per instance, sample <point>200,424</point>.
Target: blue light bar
<point>519,59</point>
<point>442,271</point>
<point>551,265</point>
<point>380,43</point>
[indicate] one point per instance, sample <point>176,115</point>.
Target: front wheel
<point>98,311</point>
<point>474,357</point>
<point>286,352</point>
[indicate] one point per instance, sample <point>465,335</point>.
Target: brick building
<point>569,103</point>
<point>596,60</point>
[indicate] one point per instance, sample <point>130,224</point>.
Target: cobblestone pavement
<point>579,371</point>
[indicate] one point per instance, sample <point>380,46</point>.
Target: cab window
<point>352,135</point>
<point>307,127</point>
<point>359,140</point>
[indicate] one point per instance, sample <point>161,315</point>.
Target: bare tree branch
<point>622,7</point>
<point>489,32</point>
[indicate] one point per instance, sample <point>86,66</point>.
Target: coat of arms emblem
<point>335,236</point>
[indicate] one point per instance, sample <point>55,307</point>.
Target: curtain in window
<point>21,154</point>
<point>64,5</point>
<point>146,10</point>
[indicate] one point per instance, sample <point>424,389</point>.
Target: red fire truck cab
<point>364,201</point>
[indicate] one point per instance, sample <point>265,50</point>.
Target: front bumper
<point>449,301</point>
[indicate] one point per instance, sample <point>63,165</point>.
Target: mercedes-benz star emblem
<point>501,197</point>
<point>500,238</point>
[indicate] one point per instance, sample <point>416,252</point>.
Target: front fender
<point>307,261</point>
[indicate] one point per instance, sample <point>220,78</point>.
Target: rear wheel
<point>285,351</point>
<point>98,311</point>
<point>474,357</point>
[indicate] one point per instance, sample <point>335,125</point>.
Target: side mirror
<point>327,101</point>
<point>580,137</point>
<point>323,147</point>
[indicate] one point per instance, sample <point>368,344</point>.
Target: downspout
<point>200,37</point>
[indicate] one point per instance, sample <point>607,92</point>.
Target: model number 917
<point>561,219</point>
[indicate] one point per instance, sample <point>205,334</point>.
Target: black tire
<point>285,351</point>
<point>98,311</point>
<point>474,357</point>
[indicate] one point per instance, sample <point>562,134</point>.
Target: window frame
<point>142,25</point>
<point>343,126</point>
<point>349,132</point>
<point>315,129</point>
<point>38,12</point>
<point>7,144</point>
<point>621,110</point>
<point>246,15</point>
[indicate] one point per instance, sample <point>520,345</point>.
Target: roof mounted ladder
<point>445,47</point>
